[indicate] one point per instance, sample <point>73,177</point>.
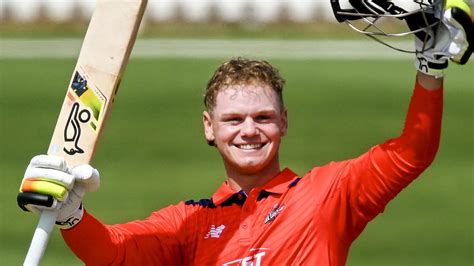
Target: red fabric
<point>311,222</point>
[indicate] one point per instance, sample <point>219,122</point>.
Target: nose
<point>249,128</point>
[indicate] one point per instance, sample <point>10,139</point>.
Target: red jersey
<point>310,220</point>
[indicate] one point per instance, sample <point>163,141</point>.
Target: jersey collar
<point>277,185</point>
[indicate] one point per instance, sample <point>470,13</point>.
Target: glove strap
<point>72,220</point>
<point>426,66</point>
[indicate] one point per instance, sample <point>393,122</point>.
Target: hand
<point>50,184</point>
<point>452,38</point>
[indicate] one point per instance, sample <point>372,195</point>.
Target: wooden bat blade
<point>104,54</point>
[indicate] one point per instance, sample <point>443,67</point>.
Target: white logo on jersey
<point>273,213</point>
<point>215,232</point>
<point>255,260</point>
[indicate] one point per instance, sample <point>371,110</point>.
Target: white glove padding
<point>50,184</point>
<point>452,39</point>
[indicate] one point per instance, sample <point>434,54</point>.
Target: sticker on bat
<point>72,130</point>
<point>86,108</point>
<point>93,99</point>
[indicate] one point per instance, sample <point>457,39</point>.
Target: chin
<point>251,167</point>
<point>251,164</point>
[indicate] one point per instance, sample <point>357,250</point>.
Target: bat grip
<point>40,238</point>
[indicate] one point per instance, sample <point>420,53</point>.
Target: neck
<point>239,180</point>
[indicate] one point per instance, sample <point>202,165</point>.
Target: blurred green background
<point>153,154</point>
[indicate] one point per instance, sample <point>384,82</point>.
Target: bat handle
<point>40,238</point>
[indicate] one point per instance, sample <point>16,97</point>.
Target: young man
<point>262,214</point>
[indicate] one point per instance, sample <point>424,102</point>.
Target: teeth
<point>249,146</point>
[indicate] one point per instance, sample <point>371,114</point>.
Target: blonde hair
<point>242,71</point>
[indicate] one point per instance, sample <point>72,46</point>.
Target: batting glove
<point>452,39</point>
<point>50,184</point>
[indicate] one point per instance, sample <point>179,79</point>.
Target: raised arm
<point>379,175</point>
<point>357,190</point>
<point>153,241</point>
<point>50,184</point>
<point>363,186</point>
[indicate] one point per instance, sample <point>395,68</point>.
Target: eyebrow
<point>263,111</point>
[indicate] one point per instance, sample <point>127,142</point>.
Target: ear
<point>208,131</point>
<point>284,122</point>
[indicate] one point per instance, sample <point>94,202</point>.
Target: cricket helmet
<point>376,19</point>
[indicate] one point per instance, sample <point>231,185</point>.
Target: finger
<point>44,187</point>
<point>461,20</point>
<point>56,176</point>
<point>88,176</point>
<point>463,5</point>
<point>77,193</point>
<point>49,161</point>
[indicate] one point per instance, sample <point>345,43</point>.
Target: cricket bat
<point>104,54</point>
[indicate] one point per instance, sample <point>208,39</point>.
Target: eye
<point>263,118</point>
<point>233,119</point>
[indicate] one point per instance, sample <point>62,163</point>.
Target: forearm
<point>90,240</point>
<point>419,141</point>
<point>153,241</point>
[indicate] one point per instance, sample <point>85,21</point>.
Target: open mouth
<point>250,146</point>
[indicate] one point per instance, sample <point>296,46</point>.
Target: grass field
<point>153,151</point>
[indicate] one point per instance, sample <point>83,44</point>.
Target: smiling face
<point>246,125</point>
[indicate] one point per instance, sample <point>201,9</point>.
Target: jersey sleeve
<point>156,240</point>
<point>360,188</point>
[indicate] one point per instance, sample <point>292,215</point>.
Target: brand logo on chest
<point>215,232</point>
<point>273,213</point>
